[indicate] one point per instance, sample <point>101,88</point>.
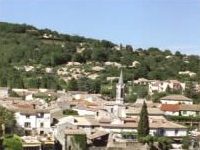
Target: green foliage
<point>70,112</point>
<point>81,141</point>
<point>156,96</point>
<point>142,91</point>
<point>86,84</point>
<point>13,143</point>
<point>184,118</point>
<point>186,142</point>
<point>131,98</point>
<point>165,143</point>
<point>143,125</point>
<point>72,85</point>
<point>23,45</point>
<point>8,120</point>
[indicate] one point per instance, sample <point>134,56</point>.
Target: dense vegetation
<point>70,112</point>
<point>8,129</point>
<point>24,45</point>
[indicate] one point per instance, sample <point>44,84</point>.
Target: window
<point>41,132</point>
<point>176,132</point>
<point>27,116</point>
<point>97,113</point>
<point>111,110</point>
<point>122,93</point>
<point>27,132</point>
<point>27,125</point>
<point>184,112</point>
<point>41,115</point>
<point>41,124</point>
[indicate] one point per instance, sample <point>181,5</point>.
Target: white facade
<point>161,86</point>
<point>4,92</point>
<point>39,122</point>
<point>189,113</point>
<point>175,102</point>
<point>174,132</point>
<point>171,113</point>
<point>83,112</point>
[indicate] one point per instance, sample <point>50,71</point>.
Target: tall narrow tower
<point>119,107</point>
<point>120,90</point>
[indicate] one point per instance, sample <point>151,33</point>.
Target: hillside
<point>33,58</point>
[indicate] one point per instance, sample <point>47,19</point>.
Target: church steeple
<point>121,78</point>
<point>120,90</point>
<point>119,107</point>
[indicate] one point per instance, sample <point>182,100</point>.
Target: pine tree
<point>143,125</point>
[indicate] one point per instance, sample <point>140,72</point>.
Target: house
<point>176,99</point>
<point>180,110</point>
<point>32,117</point>
<point>170,109</point>
<point>142,81</point>
<point>161,86</point>
<point>4,92</point>
<point>34,121</point>
<point>152,112</point>
<point>191,74</point>
<point>189,110</point>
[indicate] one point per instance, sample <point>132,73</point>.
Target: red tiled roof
<point>170,107</point>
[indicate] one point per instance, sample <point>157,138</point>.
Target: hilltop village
<point>62,92</point>
<point>100,122</point>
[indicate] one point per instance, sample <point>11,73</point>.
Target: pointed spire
<point>121,78</point>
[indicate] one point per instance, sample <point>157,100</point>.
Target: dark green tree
<point>143,125</point>
<point>72,85</point>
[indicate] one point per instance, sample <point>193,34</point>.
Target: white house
<point>181,110</point>
<point>176,99</point>
<point>190,110</point>
<point>4,92</point>
<point>34,121</point>
<point>161,86</point>
<point>191,74</point>
<point>171,109</point>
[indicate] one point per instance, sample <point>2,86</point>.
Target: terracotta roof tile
<point>170,107</point>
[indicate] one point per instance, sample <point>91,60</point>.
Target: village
<point>70,120</point>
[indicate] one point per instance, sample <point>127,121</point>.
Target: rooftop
<point>176,97</point>
<point>74,132</point>
<point>170,107</point>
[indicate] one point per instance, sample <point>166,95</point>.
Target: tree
<point>142,91</point>
<point>13,143</point>
<point>143,125</point>
<point>186,142</point>
<point>164,143</point>
<point>100,54</point>
<point>78,58</point>
<point>72,85</point>
<point>129,48</point>
<point>131,98</point>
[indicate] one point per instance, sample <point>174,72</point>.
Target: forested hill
<point>25,45</point>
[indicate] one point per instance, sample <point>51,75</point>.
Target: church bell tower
<point>120,87</point>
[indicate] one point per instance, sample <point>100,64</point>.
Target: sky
<point>166,24</point>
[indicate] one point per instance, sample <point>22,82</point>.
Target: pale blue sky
<point>173,24</point>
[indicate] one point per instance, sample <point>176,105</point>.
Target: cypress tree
<point>143,125</point>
